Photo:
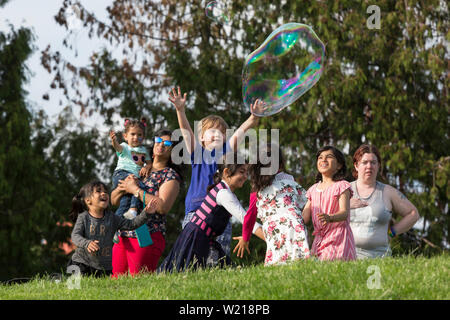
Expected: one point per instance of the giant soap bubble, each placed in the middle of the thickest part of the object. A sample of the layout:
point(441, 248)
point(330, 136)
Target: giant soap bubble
point(283, 68)
point(217, 11)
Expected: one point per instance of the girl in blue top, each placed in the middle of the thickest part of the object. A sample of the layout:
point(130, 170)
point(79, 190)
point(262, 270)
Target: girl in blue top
point(204, 156)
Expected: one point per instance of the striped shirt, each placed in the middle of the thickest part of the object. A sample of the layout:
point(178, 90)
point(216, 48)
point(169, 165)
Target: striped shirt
point(333, 241)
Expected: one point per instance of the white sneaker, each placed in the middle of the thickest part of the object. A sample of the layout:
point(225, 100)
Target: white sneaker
point(130, 214)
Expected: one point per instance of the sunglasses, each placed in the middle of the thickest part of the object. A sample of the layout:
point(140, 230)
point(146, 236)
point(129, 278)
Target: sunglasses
point(136, 158)
point(167, 143)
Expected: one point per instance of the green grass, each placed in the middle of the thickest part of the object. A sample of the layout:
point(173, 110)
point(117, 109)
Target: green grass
point(400, 278)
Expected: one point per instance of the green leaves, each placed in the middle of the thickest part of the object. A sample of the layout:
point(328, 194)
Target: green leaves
point(387, 87)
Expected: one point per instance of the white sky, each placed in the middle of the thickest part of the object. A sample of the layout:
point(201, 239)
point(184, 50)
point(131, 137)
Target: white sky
point(39, 16)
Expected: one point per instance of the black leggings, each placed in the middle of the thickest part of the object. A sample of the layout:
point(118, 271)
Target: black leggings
point(86, 270)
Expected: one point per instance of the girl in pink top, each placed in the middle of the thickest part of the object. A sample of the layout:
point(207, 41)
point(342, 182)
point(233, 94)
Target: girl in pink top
point(329, 207)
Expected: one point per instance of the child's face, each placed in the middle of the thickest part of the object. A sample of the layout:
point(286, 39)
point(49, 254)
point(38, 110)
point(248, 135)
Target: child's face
point(327, 163)
point(213, 138)
point(238, 179)
point(98, 199)
point(134, 136)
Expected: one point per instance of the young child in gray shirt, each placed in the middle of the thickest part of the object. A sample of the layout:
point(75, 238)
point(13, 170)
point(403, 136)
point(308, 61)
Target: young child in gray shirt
point(95, 228)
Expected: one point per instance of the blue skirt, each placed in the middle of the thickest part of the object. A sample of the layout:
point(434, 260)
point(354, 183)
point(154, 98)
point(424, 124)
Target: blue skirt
point(191, 251)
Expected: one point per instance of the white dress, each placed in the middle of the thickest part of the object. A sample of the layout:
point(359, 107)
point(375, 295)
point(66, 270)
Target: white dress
point(280, 208)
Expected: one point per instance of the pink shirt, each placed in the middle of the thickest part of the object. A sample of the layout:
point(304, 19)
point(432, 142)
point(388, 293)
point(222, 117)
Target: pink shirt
point(334, 241)
point(250, 218)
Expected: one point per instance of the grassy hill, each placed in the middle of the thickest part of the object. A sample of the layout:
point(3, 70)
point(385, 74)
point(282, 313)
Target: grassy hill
point(406, 277)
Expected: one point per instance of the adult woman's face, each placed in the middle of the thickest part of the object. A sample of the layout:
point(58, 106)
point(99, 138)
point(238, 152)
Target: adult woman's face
point(161, 150)
point(367, 167)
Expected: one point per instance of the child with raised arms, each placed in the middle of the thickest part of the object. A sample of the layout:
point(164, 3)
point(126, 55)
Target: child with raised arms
point(205, 151)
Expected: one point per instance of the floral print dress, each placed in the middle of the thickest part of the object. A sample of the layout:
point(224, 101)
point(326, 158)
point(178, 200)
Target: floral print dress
point(280, 211)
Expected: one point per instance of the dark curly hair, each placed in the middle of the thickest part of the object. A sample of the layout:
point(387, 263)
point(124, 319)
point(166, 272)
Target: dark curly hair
point(180, 169)
point(342, 172)
point(258, 180)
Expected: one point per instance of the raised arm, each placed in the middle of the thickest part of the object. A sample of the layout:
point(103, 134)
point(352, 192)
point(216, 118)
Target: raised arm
point(402, 206)
point(114, 142)
point(179, 102)
point(251, 122)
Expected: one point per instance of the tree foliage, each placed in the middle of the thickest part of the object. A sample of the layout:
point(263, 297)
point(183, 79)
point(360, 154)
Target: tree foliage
point(385, 86)
point(27, 214)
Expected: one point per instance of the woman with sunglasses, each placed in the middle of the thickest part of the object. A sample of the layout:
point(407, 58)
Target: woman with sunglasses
point(162, 184)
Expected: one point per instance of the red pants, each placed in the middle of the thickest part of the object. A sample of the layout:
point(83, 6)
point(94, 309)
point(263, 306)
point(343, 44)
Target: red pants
point(127, 255)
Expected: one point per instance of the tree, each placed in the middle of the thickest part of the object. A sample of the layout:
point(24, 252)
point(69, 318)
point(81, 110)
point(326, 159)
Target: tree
point(385, 86)
point(26, 213)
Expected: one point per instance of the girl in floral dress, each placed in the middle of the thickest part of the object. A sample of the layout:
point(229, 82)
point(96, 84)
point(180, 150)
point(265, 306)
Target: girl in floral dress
point(278, 201)
point(329, 208)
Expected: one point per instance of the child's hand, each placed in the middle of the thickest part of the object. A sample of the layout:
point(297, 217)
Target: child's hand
point(241, 246)
point(112, 135)
point(177, 100)
point(93, 246)
point(151, 206)
point(258, 107)
point(145, 171)
point(324, 218)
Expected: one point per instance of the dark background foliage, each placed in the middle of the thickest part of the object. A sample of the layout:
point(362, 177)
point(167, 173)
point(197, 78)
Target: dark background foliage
point(384, 86)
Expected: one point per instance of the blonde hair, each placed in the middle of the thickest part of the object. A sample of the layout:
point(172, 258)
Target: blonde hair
point(212, 121)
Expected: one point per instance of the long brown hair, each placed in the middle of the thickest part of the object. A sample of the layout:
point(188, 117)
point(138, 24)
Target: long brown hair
point(259, 181)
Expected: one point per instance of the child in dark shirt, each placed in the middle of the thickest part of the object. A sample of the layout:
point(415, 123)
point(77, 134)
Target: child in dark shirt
point(95, 228)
